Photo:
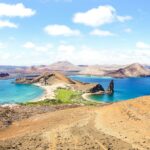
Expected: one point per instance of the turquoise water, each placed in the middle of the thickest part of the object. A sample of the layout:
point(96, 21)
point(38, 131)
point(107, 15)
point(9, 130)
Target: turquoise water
point(125, 89)
point(11, 93)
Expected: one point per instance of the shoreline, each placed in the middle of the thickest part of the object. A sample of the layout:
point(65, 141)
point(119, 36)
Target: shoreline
point(85, 96)
point(49, 91)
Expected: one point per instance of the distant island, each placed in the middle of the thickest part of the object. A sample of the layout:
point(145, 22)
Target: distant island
point(67, 68)
point(59, 79)
point(3, 75)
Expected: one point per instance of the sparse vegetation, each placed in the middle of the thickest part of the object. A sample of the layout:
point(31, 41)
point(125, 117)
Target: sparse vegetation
point(62, 96)
point(45, 102)
point(68, 95)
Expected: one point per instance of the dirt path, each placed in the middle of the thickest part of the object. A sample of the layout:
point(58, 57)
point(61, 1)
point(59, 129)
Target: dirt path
point(119, 126)
point(71, 129)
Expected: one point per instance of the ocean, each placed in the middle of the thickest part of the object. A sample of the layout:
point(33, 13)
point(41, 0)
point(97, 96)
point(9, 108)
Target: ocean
point(11, 93)
point(125, 88)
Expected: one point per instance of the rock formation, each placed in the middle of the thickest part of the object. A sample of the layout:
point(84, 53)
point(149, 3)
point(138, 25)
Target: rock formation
point(46, 78)
point(110, 89)
point(55, 77)
point(2, 75)
point(96, 88)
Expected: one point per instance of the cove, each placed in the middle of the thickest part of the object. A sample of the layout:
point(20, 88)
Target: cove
point(11, 93)
point(125, 88)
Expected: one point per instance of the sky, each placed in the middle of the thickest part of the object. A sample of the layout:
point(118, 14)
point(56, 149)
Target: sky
point(37, 32)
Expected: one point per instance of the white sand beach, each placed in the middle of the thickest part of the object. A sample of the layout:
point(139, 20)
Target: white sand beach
point(86, 96)
point(49, 90)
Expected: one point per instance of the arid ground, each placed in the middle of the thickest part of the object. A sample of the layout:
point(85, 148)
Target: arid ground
point(119, 126)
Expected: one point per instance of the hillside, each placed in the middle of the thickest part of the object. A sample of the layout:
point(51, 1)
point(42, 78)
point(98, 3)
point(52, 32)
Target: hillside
point(57, 78)
point(118, 126)
point(63, 66)
point(133, 70)
point(68, 68)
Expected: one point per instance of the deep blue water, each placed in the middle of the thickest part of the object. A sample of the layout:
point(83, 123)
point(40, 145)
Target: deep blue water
point(125, 89)
point(11, 93)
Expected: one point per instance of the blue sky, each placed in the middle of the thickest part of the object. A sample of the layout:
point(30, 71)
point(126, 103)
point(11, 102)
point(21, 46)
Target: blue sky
point(81, 31)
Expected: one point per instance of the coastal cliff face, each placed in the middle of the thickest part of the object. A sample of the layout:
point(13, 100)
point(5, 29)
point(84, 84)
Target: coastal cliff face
point(97, 88)
point(55, 78)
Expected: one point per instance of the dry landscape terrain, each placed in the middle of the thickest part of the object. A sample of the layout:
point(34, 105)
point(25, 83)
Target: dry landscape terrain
point(67, 68)
point(119, 126)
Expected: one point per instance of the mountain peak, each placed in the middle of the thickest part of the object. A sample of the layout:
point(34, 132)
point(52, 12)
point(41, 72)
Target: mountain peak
point(62, 62)
point(63, 65)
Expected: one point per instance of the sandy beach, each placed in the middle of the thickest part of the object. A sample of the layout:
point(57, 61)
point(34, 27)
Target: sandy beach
point(49, 90)
point(85, 96)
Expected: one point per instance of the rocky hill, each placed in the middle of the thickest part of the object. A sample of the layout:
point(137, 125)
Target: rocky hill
point(68, 68)
point(64, 66)
point(57, 77)
point(133, 70)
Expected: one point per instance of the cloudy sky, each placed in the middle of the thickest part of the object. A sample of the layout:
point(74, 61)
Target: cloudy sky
point(34, 32)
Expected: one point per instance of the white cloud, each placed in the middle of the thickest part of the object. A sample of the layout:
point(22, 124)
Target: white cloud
point(44, 48)
point(2, 45)
point(57, 30)
point(124, 18)
point(142, 45)
point(87, 55)
point(128, 30)
point(99, 16)
point(75, 54)
point(36, 47)
point(101, 33)
point(66, 48)
point(15, 10)
point(29, 45)
point(6, 23)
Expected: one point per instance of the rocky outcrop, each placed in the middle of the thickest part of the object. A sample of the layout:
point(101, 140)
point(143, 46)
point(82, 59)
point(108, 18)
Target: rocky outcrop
point(2, 75)
point(24, 81)
point(88, 87)
point(96, 88)
point(110, 89)
point(46, 79)
point(55, 77)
